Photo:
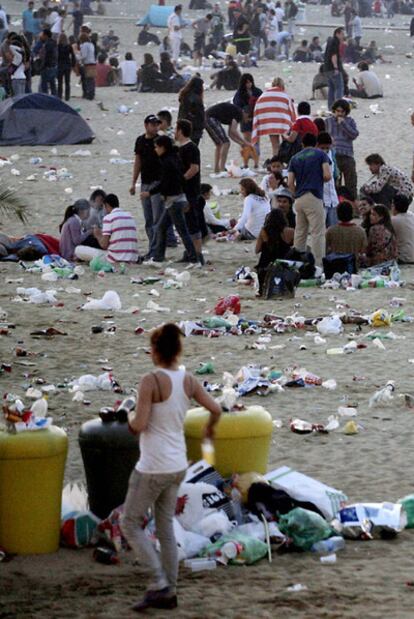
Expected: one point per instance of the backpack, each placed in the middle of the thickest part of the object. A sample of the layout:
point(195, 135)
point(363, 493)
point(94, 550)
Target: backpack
point(339, 263)
point(281, 279)
point(307, 269)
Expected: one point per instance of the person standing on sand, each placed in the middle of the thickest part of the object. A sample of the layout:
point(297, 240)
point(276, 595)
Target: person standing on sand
point(332, 67)
point(308, 171)
point(164, 397)
point(147, 165)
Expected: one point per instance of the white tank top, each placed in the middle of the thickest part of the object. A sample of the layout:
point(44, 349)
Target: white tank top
point(162, 444)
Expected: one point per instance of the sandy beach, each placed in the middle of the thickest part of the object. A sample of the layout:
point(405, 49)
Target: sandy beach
point(369, 578)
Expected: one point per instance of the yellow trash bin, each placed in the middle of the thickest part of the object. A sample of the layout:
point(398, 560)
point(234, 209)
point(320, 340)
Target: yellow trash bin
point(242, 439)
point(31, 479)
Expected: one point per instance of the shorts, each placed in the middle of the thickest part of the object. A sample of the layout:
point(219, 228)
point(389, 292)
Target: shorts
point(199, 42)
point(243, 46)
point(216, 131)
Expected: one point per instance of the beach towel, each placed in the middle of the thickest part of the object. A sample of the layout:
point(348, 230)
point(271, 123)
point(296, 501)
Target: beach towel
point(274, 114)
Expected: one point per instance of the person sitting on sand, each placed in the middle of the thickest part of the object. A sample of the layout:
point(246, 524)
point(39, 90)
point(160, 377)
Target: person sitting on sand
point(346, 237)
point(403, 224)
point(145, 37)
point(274, 242)
point(104, 73)
point(228, 77)
point(255, 208)
point(320, 84)
point(118, 237)
point(284, 201)
point(368, 84)
point(71, 232)
point(386, 181)
point(128, 69)
point(212, 216)
point(382, 241)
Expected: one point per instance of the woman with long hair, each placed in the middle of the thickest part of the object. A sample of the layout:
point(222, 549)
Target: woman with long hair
point(171, 188)
point(245, 98)
point(274, 114)
point(192, 106)
point(274, 241)
point(71, 232)
point(255, 208)
point(164, 397)
point(66, 62)
point(382, 242)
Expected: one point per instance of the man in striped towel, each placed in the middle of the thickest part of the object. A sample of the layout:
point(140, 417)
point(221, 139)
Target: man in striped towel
point(274, 114)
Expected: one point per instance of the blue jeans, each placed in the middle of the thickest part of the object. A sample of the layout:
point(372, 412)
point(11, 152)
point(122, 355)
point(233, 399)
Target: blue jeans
point(153, 208)
point(331, 216)
point(48, 80)
point(335, 87)
point(174, 214)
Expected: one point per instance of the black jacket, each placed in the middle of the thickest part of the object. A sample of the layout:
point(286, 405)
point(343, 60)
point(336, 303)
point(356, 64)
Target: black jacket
point(172, 179)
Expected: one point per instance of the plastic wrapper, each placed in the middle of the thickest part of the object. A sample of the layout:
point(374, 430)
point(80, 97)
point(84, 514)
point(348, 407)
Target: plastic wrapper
point(368, 520)
point(230, 303)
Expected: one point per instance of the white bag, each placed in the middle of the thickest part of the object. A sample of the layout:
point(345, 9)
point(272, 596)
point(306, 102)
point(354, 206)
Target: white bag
point(189, 544)
point(304, 488)
point(330, 325)
point(195, 502)
point(217, 522)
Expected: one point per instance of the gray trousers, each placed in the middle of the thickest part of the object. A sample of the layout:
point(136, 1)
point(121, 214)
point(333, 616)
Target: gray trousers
point(159, 491)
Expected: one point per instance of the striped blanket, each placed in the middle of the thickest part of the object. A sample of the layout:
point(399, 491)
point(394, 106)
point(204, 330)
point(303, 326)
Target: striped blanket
point(274, 114)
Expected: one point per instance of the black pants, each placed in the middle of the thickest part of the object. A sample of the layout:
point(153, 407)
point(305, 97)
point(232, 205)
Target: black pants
point(64, 76)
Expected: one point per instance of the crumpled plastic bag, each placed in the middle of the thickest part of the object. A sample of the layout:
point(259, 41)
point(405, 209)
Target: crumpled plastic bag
point(213, 524)
point(89, 382)
point(252, 550)
point(99, 264)
point(330, 325)
point(110, 301)
point(304, 527)
point(230, 303)
point(36, 296)
point(380, 318)
point(189, 544)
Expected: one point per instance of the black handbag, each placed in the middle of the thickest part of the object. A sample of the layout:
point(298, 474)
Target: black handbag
point(288, 149)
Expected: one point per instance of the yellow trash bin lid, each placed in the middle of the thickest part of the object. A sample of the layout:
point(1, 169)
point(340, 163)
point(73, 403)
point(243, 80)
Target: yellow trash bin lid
point(254, 421)
point(33, 444)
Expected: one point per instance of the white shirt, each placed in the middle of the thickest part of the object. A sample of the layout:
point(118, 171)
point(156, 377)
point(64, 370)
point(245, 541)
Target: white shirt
point(57, 25)
point(280, 14)
point(356, 27)
point(87, 53)
point(172, 22)
point(370, 83)
point(255, 209)
point(128, 71)
point(273, 28)
point(330, 197)
point(17, 62)
point(162, 444)
point(211, 217)
point(121, 228)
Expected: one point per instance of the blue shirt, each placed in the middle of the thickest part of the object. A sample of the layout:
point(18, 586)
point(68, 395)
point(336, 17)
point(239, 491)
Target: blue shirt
point(307, 168)
point(29, 24)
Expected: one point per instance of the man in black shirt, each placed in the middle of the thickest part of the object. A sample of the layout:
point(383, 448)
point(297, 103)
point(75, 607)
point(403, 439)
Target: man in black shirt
point(190, 156)
point(147, 164)
point(333, 69)
point(217, 116)
point(48, 54)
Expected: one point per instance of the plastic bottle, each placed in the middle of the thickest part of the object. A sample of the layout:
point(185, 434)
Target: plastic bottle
point(208, 451)
point(395, 273)
point(329, 546)
point(197, 565)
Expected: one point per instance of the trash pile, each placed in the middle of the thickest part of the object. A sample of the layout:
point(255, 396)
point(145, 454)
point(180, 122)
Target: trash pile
point(20, 418)
point(53, 267)
point(241, 520)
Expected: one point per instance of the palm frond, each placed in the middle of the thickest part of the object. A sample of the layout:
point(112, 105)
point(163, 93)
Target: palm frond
point(12, 205)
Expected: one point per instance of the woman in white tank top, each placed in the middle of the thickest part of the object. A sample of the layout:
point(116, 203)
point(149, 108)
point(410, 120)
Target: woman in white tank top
point(164, 398)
